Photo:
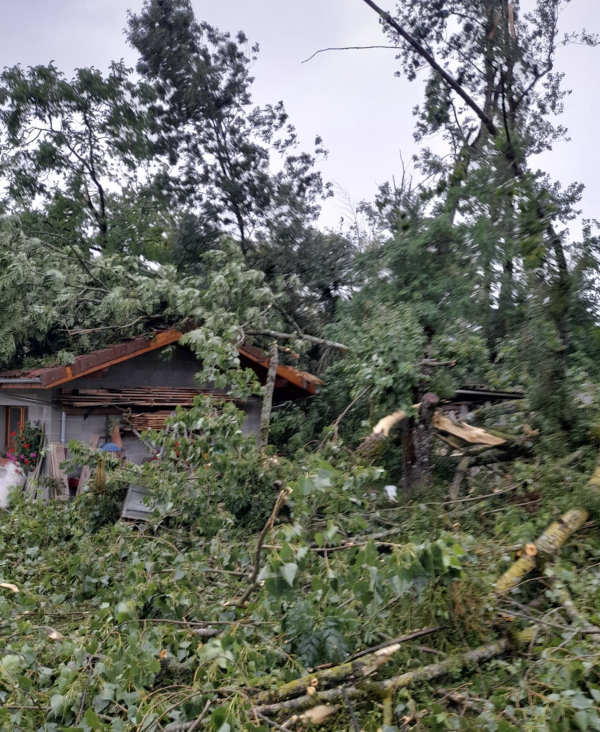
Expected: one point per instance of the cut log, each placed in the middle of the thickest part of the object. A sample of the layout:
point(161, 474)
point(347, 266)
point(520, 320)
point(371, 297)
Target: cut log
point(547, 545)
point(353, 669)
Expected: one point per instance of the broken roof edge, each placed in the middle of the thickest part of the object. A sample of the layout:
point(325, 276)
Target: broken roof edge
point(49, 377)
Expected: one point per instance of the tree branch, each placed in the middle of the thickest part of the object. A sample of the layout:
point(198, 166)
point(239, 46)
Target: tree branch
point(423, 673)
point(298, 336)
point(424, 53)
point(348, 48)
point(267, 405)
point(279, 503)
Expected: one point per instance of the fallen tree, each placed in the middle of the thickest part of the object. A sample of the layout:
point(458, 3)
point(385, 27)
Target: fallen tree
point(292, 618)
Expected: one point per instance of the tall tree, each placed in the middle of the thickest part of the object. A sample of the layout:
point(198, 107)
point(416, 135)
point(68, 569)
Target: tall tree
point(76, 155)
point(489, 220)
point(221, 148)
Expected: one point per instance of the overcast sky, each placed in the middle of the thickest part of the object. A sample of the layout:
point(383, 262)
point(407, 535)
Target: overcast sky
point(350, 98)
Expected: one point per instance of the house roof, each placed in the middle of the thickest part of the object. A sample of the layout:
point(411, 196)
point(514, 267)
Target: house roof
point(49, 377)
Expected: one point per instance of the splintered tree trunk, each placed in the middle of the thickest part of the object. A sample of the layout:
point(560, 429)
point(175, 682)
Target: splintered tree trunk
point(417, 444)
point(267, 406)
point(423, 439)
point(544, 548)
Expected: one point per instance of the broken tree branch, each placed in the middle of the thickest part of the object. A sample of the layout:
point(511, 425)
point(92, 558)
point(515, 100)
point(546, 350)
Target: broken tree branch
point(279, 503)
point(348, 703)
point(466, 432)
point(424, 54)
point(401, 639)
point(299, 337)
point(267, 406)
point(548, 544)
point(382, 688)
point(355, 669)
point(566, 601)
point(352, 669)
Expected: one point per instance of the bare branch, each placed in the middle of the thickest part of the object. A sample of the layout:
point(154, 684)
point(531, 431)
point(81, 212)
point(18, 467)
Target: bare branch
point(348, 48)
point(281, 499)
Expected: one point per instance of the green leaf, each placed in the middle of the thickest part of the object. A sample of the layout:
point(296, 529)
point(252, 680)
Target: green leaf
point(218, 717)
point(93, 720)
point(579, 701)
point(56, 704)
point(125, 611)
point(10, 664)
point(582, 721)
point(289, 572)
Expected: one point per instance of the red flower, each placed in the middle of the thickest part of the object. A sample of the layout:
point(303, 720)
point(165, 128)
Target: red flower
point(25, 445)
point(13, 434)
point(26, 461)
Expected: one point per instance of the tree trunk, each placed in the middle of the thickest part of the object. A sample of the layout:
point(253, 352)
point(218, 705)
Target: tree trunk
point(267, 407)
point(423, 439)
point(417, 444)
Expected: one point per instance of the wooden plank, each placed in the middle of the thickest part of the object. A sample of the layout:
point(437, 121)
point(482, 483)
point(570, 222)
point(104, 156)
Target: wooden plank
point(58, 454)
point(31, 485)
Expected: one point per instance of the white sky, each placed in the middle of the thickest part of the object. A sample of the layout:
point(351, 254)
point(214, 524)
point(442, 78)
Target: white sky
point(351, 98)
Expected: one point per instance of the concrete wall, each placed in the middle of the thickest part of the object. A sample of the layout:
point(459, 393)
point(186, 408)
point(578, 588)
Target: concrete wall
point(149, 369)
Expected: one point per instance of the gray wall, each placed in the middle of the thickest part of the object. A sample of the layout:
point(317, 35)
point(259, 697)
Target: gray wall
point(149, 369)
point(2, 426)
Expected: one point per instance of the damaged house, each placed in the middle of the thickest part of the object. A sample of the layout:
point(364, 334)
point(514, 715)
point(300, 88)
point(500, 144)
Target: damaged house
point(133, 385)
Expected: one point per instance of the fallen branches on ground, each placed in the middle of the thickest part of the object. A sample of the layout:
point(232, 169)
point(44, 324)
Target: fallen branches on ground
point(357, 667)
point(381, 688)
point(279, 503)
point(546, 546)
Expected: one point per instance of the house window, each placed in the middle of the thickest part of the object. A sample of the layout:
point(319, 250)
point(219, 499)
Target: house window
point(16, 417)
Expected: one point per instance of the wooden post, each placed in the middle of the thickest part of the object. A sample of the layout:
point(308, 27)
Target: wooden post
point(267, 406)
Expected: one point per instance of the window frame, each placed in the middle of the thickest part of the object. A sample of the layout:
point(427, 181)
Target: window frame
point(23, 418)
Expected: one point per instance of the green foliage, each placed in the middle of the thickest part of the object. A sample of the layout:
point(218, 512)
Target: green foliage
point(209, 473)
point(385, 348)
point(168, 200)
point(125, 600)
